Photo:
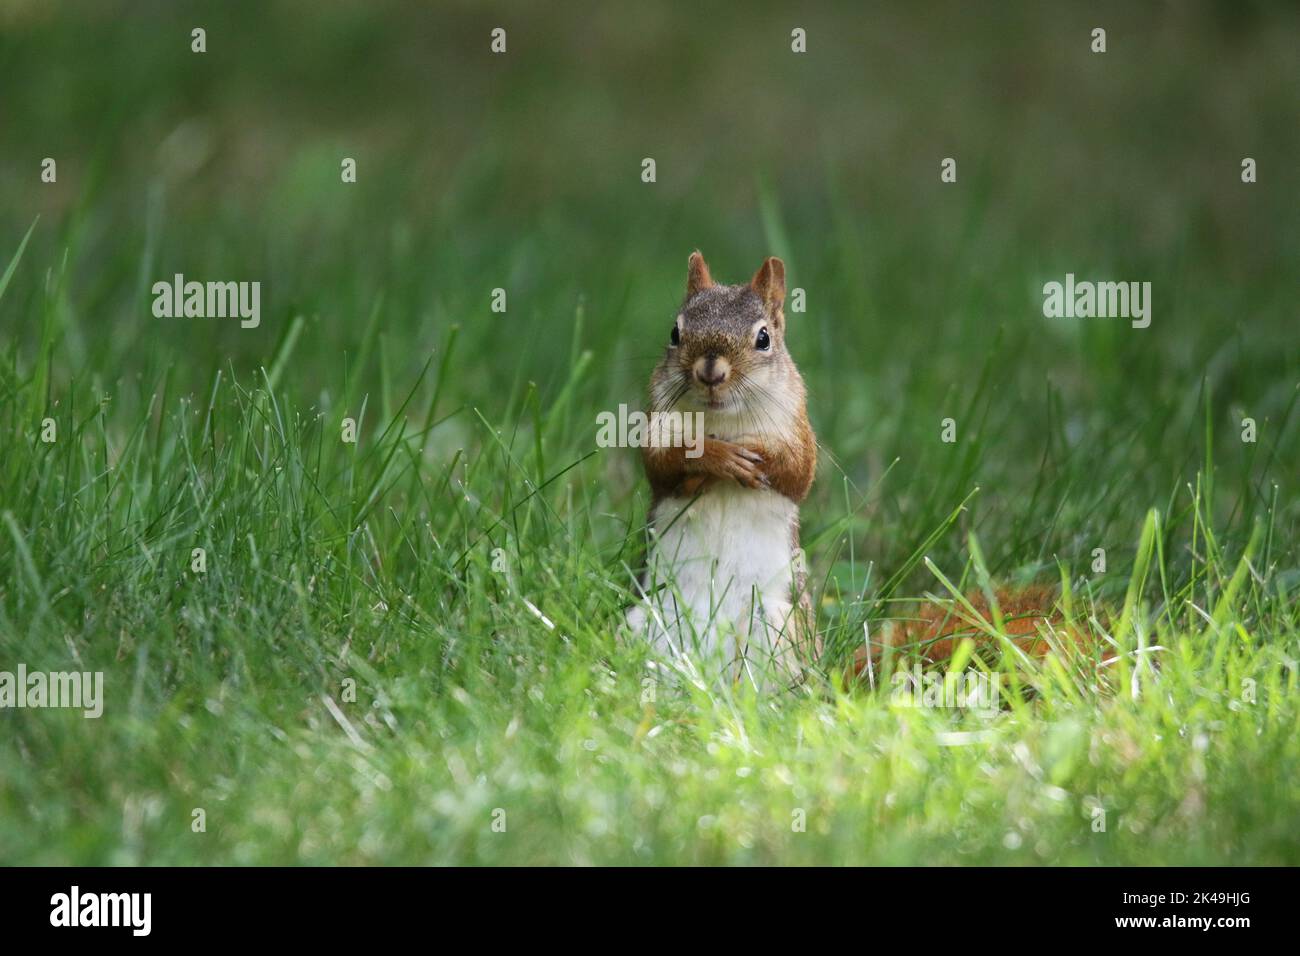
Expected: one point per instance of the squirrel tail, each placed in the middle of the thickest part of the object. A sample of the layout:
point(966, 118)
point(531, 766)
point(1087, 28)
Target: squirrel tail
point(1030, 617)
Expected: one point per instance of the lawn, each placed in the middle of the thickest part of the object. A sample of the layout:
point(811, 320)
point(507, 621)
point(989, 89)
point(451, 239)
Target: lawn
point(404, 649)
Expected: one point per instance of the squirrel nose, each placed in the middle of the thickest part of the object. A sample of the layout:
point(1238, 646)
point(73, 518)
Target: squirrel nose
point(711, 370)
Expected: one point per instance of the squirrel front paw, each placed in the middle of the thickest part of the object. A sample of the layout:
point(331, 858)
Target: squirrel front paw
point(740, 464)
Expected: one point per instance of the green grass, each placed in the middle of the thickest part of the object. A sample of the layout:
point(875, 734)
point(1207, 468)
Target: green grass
point(330, 563)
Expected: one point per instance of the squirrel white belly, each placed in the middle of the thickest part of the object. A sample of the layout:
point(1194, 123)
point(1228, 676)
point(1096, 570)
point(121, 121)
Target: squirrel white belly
point(724, 580)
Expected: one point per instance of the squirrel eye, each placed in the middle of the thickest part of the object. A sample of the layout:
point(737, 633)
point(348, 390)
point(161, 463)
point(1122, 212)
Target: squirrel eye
point(764, 341)
point(676, 337)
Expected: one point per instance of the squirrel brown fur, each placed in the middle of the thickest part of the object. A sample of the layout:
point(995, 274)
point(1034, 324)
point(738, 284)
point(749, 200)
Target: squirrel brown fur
point(935, 629)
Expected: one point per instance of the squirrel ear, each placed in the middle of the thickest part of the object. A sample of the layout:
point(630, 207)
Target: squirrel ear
point(769, 283)
point(697, 274)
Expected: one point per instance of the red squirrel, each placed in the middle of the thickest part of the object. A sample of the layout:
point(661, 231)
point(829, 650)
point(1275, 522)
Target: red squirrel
point(724, 579)
point(724, 576)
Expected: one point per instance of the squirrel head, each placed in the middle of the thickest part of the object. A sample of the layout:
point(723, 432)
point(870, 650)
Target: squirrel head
point(726, 348)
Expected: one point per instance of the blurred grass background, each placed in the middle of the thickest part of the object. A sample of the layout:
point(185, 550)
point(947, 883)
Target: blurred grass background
point(522, 171)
